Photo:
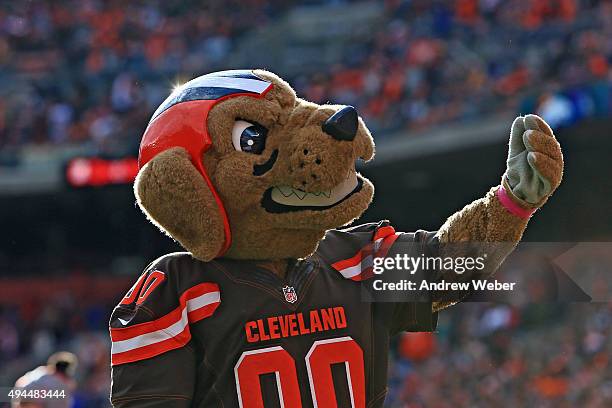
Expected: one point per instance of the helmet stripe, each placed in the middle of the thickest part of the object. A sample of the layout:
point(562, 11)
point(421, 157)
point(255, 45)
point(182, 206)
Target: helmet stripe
point(240, 84)
point(214, 86)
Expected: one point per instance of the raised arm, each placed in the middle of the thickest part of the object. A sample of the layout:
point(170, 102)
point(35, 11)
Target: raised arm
point(495, 223)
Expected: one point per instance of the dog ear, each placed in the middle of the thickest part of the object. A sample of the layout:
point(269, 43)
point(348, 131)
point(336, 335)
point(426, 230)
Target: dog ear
point(173, 195)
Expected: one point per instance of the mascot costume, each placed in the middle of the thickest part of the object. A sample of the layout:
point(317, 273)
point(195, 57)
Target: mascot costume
point(265, 308)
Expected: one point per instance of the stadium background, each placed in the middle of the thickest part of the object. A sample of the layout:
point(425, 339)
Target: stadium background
point(438, 82)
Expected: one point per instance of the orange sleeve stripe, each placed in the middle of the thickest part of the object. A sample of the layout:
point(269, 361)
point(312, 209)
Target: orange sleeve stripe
point(386, 236)
point(202, 313)
point(383, 232)
point(386, 244)
point(124, 333)
point(352, 261)
point(152, 350)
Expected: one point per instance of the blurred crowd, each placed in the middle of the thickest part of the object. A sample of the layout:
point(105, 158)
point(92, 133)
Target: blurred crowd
point(436, 62)
point(35, 329)
point(91, 72)
point(485, 355)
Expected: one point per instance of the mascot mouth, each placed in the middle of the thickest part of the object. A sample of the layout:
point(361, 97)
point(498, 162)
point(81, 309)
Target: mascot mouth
point(280, 199)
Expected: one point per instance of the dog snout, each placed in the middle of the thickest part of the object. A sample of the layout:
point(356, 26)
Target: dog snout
point(307, 165)
point(318, 164)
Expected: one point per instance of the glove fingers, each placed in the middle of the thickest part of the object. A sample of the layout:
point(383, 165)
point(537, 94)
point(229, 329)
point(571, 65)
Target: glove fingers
point(544, 126)
point(531, 122)
point(538, 141)
point(549, 169)
point(516, 140)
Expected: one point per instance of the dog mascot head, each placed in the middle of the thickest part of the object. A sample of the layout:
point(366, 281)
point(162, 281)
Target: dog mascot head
point(234, 164)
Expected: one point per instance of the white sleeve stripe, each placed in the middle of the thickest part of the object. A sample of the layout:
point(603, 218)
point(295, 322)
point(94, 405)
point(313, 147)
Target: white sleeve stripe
point(151, 338)
point(203, 300)
point(353, 271)
point(172, 330)
point(365, 263)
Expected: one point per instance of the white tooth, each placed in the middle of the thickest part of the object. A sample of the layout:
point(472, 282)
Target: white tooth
point(290, 196)
point(301, 194)
point(285, 190)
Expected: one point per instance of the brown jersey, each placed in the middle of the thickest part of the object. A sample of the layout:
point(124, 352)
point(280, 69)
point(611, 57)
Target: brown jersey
point(228, 333)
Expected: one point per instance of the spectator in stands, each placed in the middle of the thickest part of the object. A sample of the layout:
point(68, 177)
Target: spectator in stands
point(57, 375)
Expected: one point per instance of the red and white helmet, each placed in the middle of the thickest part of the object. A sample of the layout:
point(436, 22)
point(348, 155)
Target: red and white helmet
point(181, 121)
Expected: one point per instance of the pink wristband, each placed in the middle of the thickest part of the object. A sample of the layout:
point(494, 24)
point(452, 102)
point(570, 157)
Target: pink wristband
point(514, 208)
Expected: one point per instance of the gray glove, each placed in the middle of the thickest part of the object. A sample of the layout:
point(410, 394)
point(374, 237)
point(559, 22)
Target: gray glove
point(535, 162)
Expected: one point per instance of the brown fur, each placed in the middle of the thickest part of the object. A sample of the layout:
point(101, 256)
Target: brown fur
point(487, 222)
point(173, 195)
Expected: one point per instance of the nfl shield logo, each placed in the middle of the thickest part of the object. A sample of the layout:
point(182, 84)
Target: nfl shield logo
point(290, 295)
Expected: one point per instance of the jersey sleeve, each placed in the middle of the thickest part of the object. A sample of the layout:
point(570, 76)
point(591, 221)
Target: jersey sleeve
point(151, 337)
point(351, 252)
point(415, 313)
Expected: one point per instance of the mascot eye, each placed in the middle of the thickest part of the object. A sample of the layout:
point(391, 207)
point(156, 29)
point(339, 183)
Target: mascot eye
point(249, 137)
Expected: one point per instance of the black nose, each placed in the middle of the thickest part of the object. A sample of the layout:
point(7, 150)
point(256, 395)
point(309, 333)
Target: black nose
point(342, 125)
